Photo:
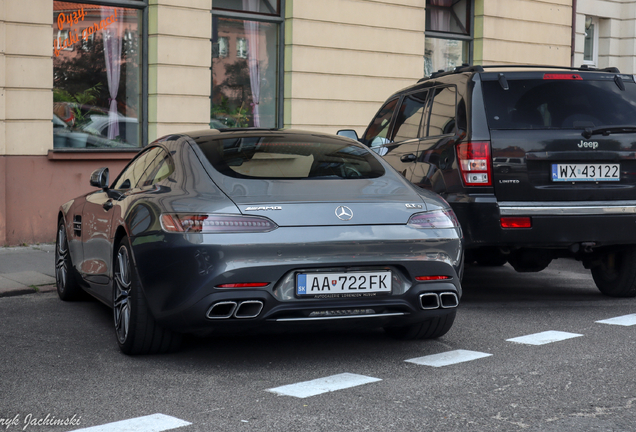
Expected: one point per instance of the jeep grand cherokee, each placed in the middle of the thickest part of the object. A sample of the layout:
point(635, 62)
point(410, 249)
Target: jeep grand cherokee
point(537, 162)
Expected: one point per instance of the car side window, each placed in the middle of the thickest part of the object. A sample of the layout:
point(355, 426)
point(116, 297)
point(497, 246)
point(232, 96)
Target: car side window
point(443, 111)
point(129, 178)
point(376, 134)
point(409, 116)
point(160, 168)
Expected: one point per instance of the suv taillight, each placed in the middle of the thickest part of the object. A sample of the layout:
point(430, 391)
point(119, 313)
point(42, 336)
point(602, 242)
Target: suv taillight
point(474, 163)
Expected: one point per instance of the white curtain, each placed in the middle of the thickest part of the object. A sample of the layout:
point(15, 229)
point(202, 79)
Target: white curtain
point(112, 37)
point(440, 18)
point(253, 50)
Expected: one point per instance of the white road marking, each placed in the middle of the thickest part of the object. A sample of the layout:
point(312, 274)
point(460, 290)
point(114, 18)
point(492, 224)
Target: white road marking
point(149, 423)
point(545, 337)
point(625, 320)
point(323, 385)
point(448, 358)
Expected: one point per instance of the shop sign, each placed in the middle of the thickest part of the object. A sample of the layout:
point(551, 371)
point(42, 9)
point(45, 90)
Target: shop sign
point(74, 37)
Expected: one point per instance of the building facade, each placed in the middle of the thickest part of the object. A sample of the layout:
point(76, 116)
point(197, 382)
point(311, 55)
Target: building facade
point(86, 84)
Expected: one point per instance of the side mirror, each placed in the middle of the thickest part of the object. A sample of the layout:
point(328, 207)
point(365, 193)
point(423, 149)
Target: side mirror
point(99, 178)
point(348, 133)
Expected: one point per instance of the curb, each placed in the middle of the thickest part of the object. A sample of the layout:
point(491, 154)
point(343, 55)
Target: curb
point(13, 292)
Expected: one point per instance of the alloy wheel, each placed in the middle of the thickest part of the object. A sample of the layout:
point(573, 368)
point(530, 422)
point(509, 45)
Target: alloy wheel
point(61, 254)
point(121, 300)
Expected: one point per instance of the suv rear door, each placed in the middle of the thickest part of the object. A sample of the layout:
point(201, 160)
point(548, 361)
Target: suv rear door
point(579, 135)
point(436, 148)
point(399, 145)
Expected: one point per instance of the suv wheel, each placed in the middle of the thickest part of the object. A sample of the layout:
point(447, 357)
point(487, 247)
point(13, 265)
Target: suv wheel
point(615, 276)
point(490, 257)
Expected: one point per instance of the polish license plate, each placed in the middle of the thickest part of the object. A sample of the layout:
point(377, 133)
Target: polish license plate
point(586, 172)
point(342, 285)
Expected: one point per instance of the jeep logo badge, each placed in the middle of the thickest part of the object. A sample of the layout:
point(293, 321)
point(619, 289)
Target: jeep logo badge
point(586, 144)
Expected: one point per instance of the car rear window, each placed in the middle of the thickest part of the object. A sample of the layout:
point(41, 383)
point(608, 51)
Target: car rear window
point(560, 104)
point(290, 157)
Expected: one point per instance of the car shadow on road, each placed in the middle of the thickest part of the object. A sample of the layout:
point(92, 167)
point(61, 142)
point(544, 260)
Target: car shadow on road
point(561, 281)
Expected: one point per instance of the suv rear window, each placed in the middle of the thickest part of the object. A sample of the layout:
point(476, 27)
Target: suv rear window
point(559, 104)
point(275, 157)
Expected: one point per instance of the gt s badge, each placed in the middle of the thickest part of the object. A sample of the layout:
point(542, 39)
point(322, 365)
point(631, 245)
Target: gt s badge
point(413, 206)
point(263, 208)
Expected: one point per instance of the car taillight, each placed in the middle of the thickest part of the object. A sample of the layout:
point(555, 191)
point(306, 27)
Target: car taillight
point(516, 222)
point(429, 278)
point(244, 285)
point(212, 223)
point(434, 219)
point(474, 163)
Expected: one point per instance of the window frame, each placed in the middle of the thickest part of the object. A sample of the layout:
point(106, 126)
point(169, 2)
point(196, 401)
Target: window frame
point(594, 21)
point(433, 92)
point(423, 119)
point(469, 38)
point(389, 129)
point(141, 5)
point(280, 64)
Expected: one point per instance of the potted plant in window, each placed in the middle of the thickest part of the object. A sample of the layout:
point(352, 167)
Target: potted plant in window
point(77, 108)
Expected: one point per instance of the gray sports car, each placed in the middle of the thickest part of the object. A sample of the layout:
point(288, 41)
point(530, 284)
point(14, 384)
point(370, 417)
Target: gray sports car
point(242, 229)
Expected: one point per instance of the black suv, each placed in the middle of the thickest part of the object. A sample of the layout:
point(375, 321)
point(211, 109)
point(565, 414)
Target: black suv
point(537, 162)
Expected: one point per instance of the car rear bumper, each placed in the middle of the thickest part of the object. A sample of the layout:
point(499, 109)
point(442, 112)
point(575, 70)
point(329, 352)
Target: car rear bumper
point(181, 276)
point(343, 313)
point(554, 224)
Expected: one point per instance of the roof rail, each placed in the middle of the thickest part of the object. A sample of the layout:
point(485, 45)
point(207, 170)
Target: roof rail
point(480, 68)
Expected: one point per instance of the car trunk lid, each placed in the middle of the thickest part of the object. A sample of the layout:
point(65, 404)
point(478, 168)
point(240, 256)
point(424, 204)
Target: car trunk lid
point(562, 136)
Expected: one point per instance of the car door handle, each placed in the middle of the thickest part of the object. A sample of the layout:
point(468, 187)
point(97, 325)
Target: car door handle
point(108, 205)
point(408, 158)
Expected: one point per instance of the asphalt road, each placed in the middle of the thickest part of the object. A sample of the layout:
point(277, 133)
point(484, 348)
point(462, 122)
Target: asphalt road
point(61, 359)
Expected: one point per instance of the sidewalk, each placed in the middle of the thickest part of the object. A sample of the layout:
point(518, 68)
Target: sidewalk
point(27, 269)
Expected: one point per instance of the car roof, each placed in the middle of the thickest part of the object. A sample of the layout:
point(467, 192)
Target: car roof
point(229, 133)
point(490, 71)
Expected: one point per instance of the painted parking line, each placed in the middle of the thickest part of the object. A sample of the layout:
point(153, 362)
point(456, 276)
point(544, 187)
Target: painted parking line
point(448, 358)
point(149, 423)
point(625, 320)
point(545, 337)
point(323, 385)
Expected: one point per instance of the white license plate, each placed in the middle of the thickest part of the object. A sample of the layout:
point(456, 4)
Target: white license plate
point(586, 172)
point(355, 284)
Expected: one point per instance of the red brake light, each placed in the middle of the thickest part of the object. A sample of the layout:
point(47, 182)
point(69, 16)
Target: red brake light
point(429, 278)
point(562, 76)
point(474, 163)
point(516, 222)
point(434, 219)
point(244, 285)
point(211, 223)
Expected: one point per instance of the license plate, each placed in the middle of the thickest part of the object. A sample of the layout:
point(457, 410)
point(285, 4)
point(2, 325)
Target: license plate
point(355, 284)
point(586, 172)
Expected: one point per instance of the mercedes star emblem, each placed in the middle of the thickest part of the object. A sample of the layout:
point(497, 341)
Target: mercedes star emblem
point(344, 213)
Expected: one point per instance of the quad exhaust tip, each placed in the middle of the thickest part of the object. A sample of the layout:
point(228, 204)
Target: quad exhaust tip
point(235, 309)
point(448, 300)
point(445, 300)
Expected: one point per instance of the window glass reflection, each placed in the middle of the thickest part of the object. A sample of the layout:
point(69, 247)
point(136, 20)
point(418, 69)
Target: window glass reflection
point(244, 76)
point(96, 70)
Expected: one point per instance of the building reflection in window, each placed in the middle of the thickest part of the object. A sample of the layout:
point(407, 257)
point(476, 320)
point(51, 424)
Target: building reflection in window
point(448, 34)
point(96, 70)
point(244, 81)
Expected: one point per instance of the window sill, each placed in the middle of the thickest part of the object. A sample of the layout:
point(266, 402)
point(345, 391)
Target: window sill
point(97, 154)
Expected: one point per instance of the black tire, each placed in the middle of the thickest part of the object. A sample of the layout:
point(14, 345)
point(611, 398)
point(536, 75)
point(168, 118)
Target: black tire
point(429, 329)
point(65, 279)
point(616, 275)
point(135, 327)
point(490, 257)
